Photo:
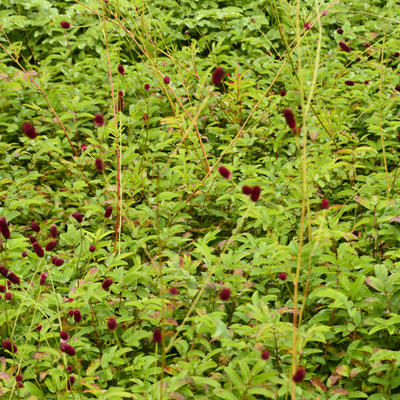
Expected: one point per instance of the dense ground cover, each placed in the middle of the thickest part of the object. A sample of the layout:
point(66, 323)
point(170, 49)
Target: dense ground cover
point(199, 199)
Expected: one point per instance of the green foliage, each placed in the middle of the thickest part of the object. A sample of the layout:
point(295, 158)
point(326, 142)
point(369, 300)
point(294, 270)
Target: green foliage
point(174, 226)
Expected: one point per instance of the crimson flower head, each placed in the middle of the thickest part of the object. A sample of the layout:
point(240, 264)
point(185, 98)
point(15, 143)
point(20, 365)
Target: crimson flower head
point(2, 289)
point(339, 31)
point(325, 204)
point(224, 172)
point(64, 335)
point(121, 69)
point(92, 248)
point(157, 335)
point(11, 347)
point(38, 249)
point(283, 93)
point(24, 254)
point(35, 227)
point(18, 378)
point(282, 276)
point(32, 239)
point(349, 83)
point(167, 79)
point(265, 355)
point(289, 116)
point(65, 24)
point(225, 294)
point(299, 375)
point(344, 47)
point(70, 382)
point(173, 290)
point(8, 296)
point(39, 327)
point(246, 190)
point(83, 147)
point(4, 271)
point(51, 245)
point(4, 228)
point(99, 163)
point(107, 283)
point(43, 278)
point(397, 88)
point(255, 193)
point(146, 86)
point(70, 368)
point(77, 316)
point(78, 216)
point(98, 119)
point(70, 313)
point(396, 54)
point(14, 278)
point(217, 76)
point(108, 212)
point(307, 26)
point(29, 130)
point(67, 348)
point(53, 231)
point(112, 323)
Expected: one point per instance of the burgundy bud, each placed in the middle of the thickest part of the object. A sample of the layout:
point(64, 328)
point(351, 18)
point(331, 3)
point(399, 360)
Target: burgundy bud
point(64, 335)
point(2, 289)
point(339, 31)
point(70, 382)
point(4, 271)
point(225, 294)
point(98, 119)
point(299, 375)
point(146, 86)
point(43, 278)
point(51, 245)
point(157, 335)
point(121, 69)
point(70, 313)
point(77, 316)
point(53, 231)
point(167, 80)
point(344, 47)
point(107, 283)
point(35, 227)
point(8, 296)
point(145, 117)
point(325, 204)
point(120, 100)
point(224, 172)
point(283, 93)
point(92, 248)
point(32, 239)
point(18, 378)
point(282, 276)
point(111, 323)
point(217, 76)
point(255, 193)
point(99, 163)
point(4, 228)
point(67, 348)
point(349, 83)
point(83, 147)
point(65, 24)
point(173, 290)
point(307, 26)
point(70, 368)
point(38, 249)
point(289, 116)
point(11, 347)
point(39, 327)
point(24, 254)
point(78, 216)
point(108, 212)
point(14, 278)
point(396, 54)
point(59, 262)
point(29, 130)
point(265, 355)
point(246, 190)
